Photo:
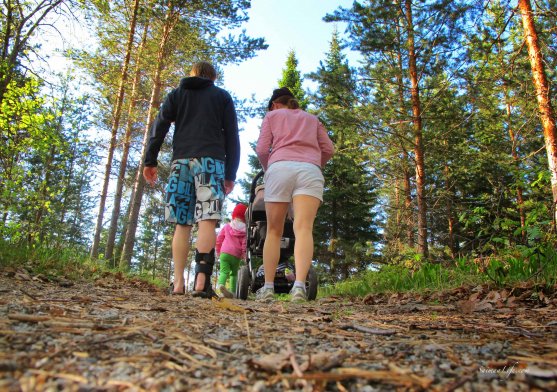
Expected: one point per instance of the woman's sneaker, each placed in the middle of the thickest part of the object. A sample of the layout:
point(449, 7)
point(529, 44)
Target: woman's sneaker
point(298, 294)
point(265, 294)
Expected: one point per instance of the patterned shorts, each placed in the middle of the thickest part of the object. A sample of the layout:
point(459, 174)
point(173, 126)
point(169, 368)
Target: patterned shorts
point(195, 190)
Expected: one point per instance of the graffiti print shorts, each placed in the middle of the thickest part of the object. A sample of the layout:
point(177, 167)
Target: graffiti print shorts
point(195, 190)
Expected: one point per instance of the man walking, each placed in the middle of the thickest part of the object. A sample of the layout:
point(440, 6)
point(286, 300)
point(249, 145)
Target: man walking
point(205, 158)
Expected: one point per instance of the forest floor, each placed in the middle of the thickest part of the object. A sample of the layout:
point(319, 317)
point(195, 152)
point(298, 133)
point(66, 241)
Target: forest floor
point(116, 334)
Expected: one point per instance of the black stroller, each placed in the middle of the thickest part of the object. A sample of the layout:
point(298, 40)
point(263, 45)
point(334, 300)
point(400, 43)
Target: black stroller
point(250, 278)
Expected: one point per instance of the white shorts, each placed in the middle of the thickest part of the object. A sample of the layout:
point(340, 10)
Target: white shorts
point(286, 179)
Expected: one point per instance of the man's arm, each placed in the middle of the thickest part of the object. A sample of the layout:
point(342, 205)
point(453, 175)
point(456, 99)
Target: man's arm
point(161, 125)
point(232, 143)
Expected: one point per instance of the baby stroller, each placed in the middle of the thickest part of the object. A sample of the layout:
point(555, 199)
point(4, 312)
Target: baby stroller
point(250, 278)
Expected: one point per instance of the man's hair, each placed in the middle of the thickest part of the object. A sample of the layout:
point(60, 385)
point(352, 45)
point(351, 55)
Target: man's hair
point(203, 69)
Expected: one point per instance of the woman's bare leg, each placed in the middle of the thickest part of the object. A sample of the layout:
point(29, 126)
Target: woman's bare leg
point(305, 210)
point(276, 214)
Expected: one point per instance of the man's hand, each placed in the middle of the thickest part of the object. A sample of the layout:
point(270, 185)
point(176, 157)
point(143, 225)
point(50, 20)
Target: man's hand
point(228, 186)
point(150, 174)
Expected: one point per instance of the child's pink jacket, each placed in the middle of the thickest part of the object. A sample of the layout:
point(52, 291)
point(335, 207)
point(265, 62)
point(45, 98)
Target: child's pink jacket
point(231, 241)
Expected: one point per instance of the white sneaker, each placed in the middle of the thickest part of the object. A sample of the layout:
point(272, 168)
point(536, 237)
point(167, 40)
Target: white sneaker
point(265, 294)
point(298, 294)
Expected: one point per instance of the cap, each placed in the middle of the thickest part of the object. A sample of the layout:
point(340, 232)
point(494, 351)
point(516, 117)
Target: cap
point(279, 92)
point(239, 212)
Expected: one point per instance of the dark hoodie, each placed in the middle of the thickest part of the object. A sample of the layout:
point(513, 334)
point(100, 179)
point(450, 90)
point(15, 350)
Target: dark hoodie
point(205, 125)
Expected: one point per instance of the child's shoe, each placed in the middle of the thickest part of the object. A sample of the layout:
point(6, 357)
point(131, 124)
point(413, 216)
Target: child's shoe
point(223, 292)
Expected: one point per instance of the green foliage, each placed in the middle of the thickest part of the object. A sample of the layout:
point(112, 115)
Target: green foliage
point(292, 79)
point(534, 264)
point(44, 166)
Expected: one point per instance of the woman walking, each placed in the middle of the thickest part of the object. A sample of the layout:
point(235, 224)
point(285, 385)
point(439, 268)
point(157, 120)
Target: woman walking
point(293, 147)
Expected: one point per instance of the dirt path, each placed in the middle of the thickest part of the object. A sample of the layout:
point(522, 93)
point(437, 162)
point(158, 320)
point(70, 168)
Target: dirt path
point(117, 335)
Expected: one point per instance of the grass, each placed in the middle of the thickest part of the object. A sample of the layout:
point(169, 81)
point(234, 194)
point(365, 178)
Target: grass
point(537, 266)
point(55, 263)
point(401, 279)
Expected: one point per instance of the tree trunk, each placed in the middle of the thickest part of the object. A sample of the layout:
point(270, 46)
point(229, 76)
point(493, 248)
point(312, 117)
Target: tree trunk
point(451, 221)
point(418, 139)
point(45, 196)
point(542, 93)
point(114, 132)
point(516, 161)
point(395, 230)
point(139, 186)
point(408, 212)
point(111, 239)
point(122, 238)
point(155, 256)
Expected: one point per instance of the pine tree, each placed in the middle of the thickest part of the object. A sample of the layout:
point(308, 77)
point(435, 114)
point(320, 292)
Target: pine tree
point(292, 78)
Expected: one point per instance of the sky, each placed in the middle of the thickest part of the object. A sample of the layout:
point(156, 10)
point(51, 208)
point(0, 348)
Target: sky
point(286, 25)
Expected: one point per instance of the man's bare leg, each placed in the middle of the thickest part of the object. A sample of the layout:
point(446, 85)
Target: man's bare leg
point(180, 252)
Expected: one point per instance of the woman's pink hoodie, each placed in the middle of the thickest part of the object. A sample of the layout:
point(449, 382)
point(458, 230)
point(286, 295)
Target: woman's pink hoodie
point(293, 135)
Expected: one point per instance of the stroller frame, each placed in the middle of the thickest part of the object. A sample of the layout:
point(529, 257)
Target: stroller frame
point(251, 280)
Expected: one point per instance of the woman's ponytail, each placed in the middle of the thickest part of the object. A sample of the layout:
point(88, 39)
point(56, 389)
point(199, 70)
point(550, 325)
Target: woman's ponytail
point(288, 101)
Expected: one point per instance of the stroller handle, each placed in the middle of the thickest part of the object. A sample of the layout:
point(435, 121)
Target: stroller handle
point(254, 185)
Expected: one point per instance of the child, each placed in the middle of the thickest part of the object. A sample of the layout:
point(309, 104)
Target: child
point(231, 246)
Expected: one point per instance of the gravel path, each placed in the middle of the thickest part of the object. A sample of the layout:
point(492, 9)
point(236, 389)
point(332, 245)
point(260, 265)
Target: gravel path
point(120, 335)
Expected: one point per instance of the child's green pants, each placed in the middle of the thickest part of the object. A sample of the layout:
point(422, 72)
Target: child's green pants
point(228, 268)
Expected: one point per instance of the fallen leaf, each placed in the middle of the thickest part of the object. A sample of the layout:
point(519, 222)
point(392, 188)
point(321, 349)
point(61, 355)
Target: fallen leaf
point(493, 297)
point(324, 361)
point(484, 305)
point(271, 362)
point(474, 297)
point(226, 304)
point(467, 306)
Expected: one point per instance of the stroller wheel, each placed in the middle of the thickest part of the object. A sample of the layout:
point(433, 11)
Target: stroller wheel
point(242, 286)
point(311, 284)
